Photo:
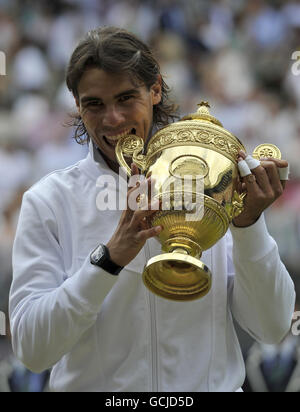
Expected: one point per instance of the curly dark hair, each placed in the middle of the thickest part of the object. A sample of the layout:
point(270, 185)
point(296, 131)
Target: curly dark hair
point(116, 50)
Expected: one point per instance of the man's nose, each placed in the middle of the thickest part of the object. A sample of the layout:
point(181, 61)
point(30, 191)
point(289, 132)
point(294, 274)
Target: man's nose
point(112, 117)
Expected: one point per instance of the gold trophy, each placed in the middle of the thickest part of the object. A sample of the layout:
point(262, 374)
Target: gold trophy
point(194, 166)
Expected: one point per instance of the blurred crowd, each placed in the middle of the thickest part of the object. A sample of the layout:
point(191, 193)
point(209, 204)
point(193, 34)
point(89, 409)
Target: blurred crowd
point(237, 54)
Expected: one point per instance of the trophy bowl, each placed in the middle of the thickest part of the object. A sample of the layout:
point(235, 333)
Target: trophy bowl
point(193, 163)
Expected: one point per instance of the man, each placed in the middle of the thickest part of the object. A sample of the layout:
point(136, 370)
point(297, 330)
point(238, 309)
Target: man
point(91, 319)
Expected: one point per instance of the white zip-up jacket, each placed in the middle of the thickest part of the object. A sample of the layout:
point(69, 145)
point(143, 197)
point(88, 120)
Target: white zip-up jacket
point(100, 332)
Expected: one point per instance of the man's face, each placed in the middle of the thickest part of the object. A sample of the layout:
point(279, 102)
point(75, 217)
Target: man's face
point(111, 106)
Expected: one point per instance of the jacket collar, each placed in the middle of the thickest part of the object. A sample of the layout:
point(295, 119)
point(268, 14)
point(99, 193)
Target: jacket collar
point(98, 158)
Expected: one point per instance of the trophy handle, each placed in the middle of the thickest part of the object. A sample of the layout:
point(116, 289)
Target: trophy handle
point(131, 146)
point(263, 150)
point(237, 204)
point(266, 150)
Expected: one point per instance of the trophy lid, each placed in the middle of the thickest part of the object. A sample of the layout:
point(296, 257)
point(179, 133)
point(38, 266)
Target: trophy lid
point(196, 129)
point(202, 114)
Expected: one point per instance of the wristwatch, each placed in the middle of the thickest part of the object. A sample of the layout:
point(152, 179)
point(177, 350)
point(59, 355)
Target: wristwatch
point(100, 257)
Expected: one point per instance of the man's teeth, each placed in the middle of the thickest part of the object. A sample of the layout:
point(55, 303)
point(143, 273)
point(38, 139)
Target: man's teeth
point(114, 139)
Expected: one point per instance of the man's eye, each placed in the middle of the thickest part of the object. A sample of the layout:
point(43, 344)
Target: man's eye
point(94, 103)
point(125, 98)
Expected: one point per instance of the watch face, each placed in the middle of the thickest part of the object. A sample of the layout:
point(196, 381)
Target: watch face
point(100, 257)
point(98, 254)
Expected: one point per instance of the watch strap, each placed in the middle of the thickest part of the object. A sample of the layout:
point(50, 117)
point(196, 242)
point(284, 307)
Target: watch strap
point(105, 262)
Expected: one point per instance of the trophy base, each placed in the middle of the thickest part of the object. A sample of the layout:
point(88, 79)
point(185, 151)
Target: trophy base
point(176, 276)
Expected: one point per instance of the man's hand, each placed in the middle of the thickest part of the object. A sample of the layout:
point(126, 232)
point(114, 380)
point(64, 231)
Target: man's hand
point(263, 187)
point(133, 229)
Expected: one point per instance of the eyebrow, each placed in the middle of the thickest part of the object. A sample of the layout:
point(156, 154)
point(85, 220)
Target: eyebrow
point(117, 96)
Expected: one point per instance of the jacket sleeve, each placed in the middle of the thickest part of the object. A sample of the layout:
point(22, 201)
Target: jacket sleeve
point(49, 311)
point(262, 293)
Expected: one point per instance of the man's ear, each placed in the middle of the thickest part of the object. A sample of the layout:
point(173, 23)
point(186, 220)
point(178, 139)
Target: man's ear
point(156, 91)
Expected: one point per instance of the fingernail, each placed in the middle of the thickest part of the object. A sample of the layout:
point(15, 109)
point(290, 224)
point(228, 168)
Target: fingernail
point(242, 154)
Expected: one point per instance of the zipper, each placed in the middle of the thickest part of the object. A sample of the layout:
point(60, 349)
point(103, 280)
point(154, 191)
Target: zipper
point(153, 331)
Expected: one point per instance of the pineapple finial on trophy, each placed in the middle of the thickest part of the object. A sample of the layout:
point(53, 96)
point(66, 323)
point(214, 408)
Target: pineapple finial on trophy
point(203, 114)
point(203, 107)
